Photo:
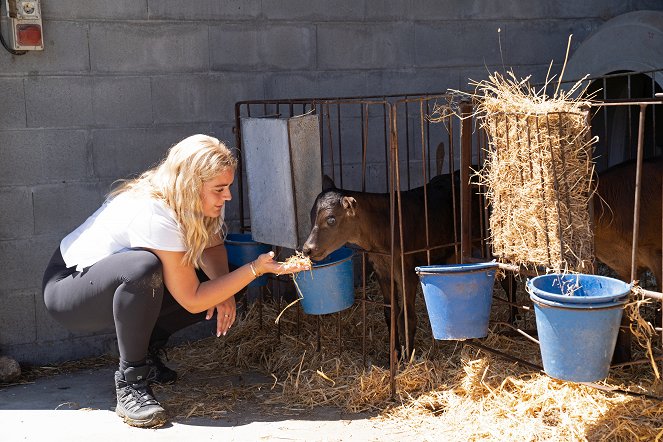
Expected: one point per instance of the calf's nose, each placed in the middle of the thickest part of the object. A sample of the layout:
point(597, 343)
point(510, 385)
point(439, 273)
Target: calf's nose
point(306, 249)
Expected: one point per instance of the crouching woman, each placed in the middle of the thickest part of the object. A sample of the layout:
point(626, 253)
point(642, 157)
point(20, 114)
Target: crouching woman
point(151, 261)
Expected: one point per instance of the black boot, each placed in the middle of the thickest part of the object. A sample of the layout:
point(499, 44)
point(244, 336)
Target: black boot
point(159, 373)
point(135, 400)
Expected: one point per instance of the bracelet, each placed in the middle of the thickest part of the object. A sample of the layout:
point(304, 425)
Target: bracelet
point(253, 270)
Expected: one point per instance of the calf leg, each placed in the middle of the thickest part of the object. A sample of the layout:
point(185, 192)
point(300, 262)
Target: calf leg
point(385, 288)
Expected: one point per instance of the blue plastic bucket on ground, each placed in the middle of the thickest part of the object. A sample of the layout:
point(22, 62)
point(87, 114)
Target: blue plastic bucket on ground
point(458, 298)
point(577, 319)
point(329, 286)
point(242, 249)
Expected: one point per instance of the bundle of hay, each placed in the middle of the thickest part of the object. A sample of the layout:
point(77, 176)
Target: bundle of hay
point(538, 174)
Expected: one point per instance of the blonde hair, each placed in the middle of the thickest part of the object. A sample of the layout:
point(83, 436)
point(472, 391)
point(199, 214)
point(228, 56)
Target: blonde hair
point(178, 181)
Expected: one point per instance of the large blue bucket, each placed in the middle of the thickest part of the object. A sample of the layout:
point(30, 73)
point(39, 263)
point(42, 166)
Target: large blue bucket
point(577, 319)
point(242, 249)
point(329, 286)
point(458, 298)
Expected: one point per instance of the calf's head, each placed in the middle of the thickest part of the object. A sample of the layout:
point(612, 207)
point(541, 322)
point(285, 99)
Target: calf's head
point(333, 221)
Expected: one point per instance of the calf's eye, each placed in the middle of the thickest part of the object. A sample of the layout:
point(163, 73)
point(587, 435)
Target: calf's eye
point(331, 221)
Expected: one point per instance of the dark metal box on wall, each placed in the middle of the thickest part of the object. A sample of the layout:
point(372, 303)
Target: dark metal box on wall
point(283, 171)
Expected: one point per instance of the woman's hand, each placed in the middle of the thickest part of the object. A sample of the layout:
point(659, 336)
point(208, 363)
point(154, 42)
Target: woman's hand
point(225, 317)
point(265, 264)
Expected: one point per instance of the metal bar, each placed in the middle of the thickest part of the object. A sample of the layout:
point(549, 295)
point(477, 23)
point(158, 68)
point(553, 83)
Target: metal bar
point(364, 146)
point(363, 308)
point(407, 148)
point(240, 180)
point(325, 111)
point(521, 332)
point(636, 200)
point(340, 143)
point(465, 194)
point(392, 211)
point(474, 343)
point(425, 179)
point(401, 248)
point(338, 330)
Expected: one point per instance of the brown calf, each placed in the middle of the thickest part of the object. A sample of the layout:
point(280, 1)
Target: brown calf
point(361, 218)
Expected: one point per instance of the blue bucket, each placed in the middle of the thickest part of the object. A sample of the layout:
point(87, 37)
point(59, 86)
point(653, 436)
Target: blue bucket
point(242, 249)
point(458, 298)
point(577, 319)
point(329, 286)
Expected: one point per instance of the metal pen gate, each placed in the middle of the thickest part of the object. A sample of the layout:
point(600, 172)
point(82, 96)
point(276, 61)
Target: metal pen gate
point(389, 144)
point(385, 144)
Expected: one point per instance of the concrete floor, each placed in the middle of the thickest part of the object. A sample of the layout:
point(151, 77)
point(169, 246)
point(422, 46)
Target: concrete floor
point(80, 407)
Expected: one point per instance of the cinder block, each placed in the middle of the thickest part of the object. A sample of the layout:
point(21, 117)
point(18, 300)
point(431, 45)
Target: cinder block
point(42, 156)
point(518, 9)
point(288, 47)
point(201, 98)
point(411, 81)
point(12, 98)
point(16, 220)
point(538, 73)
point(145, 147)
point(315, 10)
point(149, 47)
point(46, 328)
point(224, 90)
point(24, 261)
point(234, 47)
point(65, 51)
point(68, 349)
point(315, 84)
point(224, 132)
point(204, 9)
point(389, 10)
point(550, 34)
point(456, 44)
point(95, 9)
point(122, 101)
point(366, 45)
point(17, 318)
point(180, 99)
point(58, 101)
point(58, 209)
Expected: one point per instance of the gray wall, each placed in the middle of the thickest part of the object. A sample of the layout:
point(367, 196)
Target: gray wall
point(120, 81)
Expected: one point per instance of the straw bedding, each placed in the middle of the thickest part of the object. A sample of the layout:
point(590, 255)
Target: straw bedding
point(449, 390)
point(452, 390)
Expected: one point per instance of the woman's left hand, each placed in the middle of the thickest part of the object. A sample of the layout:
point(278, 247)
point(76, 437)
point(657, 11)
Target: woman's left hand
point(225, 317)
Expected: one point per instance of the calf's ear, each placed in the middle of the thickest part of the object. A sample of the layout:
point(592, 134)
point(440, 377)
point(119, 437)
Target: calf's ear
point(349, 204)
point(327, 183)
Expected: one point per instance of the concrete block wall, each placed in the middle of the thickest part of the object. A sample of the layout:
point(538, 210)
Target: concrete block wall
point(121, 81)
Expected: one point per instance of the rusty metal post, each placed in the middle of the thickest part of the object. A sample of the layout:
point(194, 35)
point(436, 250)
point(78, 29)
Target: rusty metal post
point(392, 212)
point(636, 200)
point(465, 193)
point(240, 180)
point(625, 337)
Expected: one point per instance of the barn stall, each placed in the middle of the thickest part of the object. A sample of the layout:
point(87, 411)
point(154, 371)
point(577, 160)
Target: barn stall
point(368, 143)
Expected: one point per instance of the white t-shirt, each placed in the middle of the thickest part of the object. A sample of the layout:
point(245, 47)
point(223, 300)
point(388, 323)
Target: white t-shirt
point(127, 221)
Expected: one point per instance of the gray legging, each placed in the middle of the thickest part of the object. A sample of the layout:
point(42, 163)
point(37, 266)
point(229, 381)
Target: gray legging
point(124, 292)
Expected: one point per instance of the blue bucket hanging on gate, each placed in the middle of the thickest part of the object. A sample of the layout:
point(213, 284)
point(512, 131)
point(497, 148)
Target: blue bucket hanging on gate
point(577, 320)
point(458, 298)
point(329, 286)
